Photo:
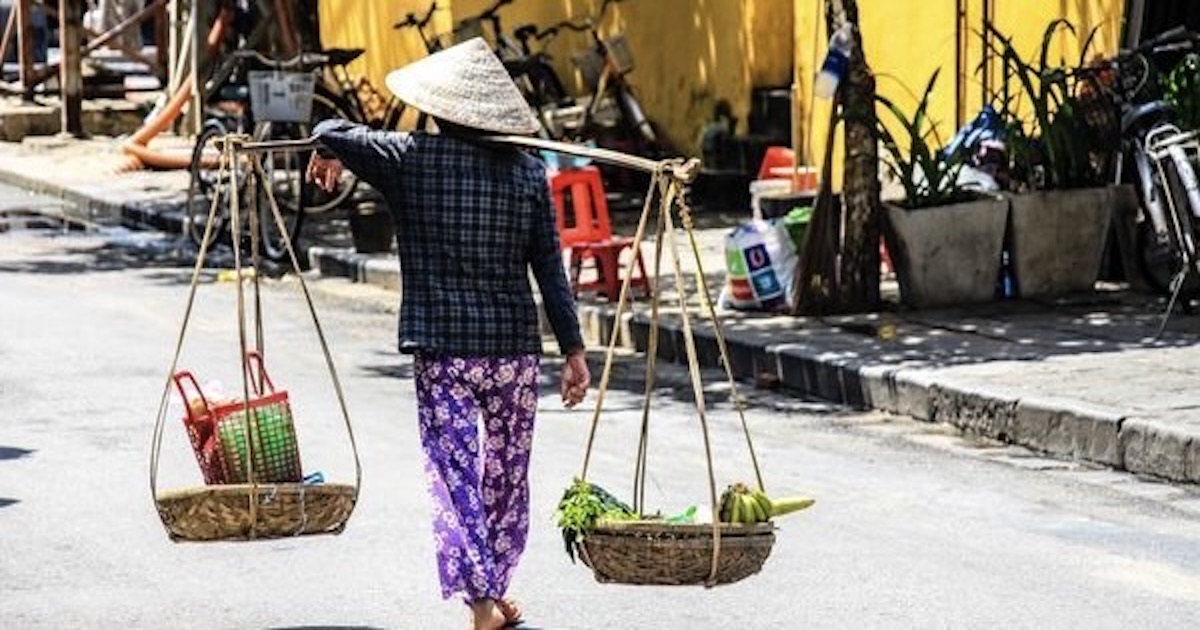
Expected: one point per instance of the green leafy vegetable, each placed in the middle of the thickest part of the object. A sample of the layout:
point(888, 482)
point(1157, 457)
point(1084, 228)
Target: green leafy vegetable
point(582, 505)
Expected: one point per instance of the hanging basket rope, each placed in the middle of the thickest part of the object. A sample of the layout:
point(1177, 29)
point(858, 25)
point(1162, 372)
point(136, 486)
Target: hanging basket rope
point(655, 552)
point(255, 509)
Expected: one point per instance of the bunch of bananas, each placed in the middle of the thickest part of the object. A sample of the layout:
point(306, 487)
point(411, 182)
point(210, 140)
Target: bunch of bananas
point(741, 504)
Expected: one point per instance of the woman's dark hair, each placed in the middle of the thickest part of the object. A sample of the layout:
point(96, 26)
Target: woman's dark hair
point(473, 136)
point(458, 131)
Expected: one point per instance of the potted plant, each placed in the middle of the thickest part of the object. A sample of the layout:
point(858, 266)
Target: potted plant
point(945, 241)
point(1061, 206)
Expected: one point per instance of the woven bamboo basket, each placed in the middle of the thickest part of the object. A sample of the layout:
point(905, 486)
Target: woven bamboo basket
point(642, 552)
point(211, 513)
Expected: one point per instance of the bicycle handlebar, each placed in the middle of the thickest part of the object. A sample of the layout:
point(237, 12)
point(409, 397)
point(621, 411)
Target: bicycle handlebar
point(1174, 35)
point(1176, 39)
point(411, 20)
point(490, 14)
point(529, 30)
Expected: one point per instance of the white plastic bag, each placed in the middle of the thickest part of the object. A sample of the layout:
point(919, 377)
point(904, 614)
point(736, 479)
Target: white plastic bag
point(760, 261)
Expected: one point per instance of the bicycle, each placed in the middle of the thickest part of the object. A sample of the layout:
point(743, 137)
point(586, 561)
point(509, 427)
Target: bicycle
point(605, 67)
point(610, 116)
point(1164, 159)
point(543, 87)
point(231, 110)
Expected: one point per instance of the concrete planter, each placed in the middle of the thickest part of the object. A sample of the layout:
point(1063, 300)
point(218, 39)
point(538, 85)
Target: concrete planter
point(947, 254)
point(1058, 239)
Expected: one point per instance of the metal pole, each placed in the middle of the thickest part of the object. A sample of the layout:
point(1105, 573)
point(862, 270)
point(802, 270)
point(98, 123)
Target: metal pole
point(194, 116)
point(1134, 22)
point(960, 23)
point(9, 27)
point(120, 30)
point(70, 22)
point(174, 19)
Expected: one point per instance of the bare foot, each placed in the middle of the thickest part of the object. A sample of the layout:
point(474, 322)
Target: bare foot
point(510, 609)
point(487, 614)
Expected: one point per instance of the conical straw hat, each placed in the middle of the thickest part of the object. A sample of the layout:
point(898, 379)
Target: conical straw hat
point(465, 84)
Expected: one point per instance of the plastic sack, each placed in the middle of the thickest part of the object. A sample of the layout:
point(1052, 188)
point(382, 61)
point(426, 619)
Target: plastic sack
point(760, 262)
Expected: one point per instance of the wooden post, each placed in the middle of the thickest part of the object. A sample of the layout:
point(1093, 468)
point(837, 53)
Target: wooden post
point(174, 36)
point(839, 270)
point(161, 46)
point(858, 282)
point(25, 45)
point(70, 23)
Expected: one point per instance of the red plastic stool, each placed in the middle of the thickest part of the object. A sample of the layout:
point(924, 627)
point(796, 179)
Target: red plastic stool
point(585, 233)
point(777, 163)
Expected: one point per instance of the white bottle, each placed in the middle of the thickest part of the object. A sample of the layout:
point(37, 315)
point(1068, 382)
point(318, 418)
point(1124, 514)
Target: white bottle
point(836, 64)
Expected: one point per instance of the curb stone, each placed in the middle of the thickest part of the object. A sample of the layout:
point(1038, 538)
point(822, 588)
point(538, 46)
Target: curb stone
point(981, 412)
point(913, 396)
point(1069, 428)
point(87, 207)
point(1149, 446)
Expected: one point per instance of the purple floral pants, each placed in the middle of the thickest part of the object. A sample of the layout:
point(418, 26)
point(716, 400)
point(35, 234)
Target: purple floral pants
point(476, 418)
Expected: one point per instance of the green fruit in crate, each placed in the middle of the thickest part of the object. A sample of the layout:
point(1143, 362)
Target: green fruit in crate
point(276, 458)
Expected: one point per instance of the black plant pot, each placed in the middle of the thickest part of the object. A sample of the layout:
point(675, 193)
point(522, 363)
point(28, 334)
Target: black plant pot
point(371, 228)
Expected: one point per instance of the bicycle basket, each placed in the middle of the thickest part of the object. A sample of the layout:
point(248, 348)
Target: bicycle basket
point(590, 64)
point(620, 54)
point(281, 96)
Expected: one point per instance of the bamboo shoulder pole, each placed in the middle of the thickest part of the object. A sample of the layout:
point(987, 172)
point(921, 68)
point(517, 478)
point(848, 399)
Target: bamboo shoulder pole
point(681, 169)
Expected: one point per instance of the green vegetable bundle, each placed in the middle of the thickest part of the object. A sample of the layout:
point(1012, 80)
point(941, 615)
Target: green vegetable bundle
point(582, 505)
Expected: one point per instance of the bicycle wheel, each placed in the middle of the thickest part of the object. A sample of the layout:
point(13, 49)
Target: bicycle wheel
point(1159, 270)
point(283, 178)
point(204, 183)
point(327, 106)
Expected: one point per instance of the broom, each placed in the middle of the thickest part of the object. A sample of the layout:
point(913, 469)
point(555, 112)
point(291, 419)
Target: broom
point(815, 283)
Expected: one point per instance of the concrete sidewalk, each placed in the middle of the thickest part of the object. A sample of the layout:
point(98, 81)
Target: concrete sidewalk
point(1081, 377)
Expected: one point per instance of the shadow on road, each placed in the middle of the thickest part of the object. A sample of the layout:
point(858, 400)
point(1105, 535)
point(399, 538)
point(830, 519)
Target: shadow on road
point(522, 626)
point(119, 249)
point(8, 453)
point(325, 628)
point(12, 452)
point(390, 370)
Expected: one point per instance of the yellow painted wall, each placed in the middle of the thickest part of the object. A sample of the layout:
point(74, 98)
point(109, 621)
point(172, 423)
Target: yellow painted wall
point(905, 41)
point(688, 53)
point(368, 24)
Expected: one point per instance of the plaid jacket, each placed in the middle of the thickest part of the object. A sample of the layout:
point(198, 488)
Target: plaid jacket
point(471, 221)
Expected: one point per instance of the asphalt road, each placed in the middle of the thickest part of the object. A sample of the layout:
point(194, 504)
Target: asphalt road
point(915, 526)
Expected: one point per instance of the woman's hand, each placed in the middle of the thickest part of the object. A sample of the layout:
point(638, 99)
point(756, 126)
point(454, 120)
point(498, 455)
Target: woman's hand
point(575, 378)
point(325, 172)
